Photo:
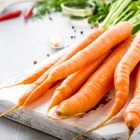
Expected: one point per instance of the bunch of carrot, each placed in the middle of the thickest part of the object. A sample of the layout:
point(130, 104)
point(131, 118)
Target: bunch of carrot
point(87, 71)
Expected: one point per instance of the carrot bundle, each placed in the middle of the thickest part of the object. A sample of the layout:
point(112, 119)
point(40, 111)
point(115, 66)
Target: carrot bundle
point(96, 86)
point(40, 85)
point(86, 81)
point(103, 43)
point(132, 112)
point(73, 82)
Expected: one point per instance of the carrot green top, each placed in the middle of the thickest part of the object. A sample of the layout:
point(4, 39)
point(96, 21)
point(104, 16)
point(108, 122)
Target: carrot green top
point(123, 10)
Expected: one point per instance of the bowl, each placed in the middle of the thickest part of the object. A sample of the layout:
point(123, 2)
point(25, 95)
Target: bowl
point(75, 11)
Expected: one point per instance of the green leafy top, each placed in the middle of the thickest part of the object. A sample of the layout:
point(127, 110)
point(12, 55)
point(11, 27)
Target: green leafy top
point(107, 12)
point(101, 11)
point(48, 6)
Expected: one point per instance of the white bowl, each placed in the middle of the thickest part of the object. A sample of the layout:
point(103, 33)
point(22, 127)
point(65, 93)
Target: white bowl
point(77, 12)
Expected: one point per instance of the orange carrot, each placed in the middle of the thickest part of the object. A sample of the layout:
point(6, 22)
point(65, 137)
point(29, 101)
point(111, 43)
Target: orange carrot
point(73, 82)
point(132, 112)
point(38, 87)
point(96, 86)
point(103, 43)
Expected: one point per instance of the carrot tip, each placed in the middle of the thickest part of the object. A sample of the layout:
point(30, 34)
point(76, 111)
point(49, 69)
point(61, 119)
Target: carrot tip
point(75, 138)
point(130, 133)
point(49, 107)
point(8, 86)
point(58, 112)
point(10, 110)
point(93, 129)
point(52, 114)
point(21, 110)
point(53, 118)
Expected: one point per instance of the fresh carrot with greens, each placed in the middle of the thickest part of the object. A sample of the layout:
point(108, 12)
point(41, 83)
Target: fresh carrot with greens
point(102, 44)
point(38, 87)
point(73, 82)
point(121, 79)
point(96, 86)
point(132, 112)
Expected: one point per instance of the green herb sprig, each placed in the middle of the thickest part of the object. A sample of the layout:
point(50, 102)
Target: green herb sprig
point(49, 6)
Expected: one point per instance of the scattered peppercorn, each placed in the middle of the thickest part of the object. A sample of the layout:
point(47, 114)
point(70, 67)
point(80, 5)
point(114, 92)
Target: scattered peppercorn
point(72, 27)
point(81, 32)
point(74, 36)
point(71, 37)
point(75, 31)
point(48, 55)
point(34, 62)
point(50, 19)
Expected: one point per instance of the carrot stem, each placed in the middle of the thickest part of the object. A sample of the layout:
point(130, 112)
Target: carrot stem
point(117, 9)
point(130, 134)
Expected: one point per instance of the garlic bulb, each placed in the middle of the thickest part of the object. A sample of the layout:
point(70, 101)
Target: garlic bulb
point(56, 41)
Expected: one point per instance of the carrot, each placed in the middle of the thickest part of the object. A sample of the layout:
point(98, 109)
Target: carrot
point(34, 75)
point(121, 79)
point(39, 87)
point(73, 82)
point(96, 86)
point(132, 112)
point(21, 100)
point(103, 43)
